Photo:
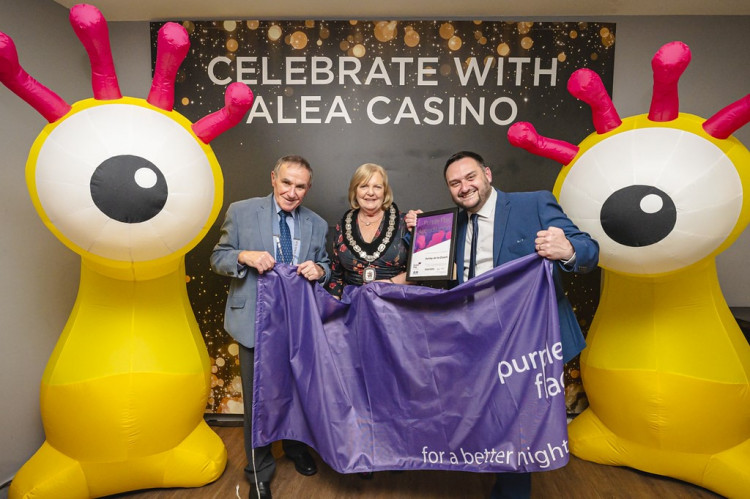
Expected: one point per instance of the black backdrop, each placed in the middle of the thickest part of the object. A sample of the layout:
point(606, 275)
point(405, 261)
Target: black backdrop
point(343, 93)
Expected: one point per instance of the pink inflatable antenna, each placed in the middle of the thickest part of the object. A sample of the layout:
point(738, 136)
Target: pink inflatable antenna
point(525, 136)
point(587, 86)
point(45, 101)
point(172, 46)
point(668, 64)
point(91, 28)
point(237, 101)
point(730, 119)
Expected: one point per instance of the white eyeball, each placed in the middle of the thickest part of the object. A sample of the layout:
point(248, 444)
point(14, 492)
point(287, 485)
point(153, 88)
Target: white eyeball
point(656, 199)
point(124, 182)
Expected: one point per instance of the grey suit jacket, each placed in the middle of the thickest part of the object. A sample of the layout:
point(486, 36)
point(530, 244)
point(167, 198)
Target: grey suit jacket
point(249, 226)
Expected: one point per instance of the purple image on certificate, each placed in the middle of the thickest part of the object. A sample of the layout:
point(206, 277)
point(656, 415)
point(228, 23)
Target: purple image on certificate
point(432, 249)
point(432, 231)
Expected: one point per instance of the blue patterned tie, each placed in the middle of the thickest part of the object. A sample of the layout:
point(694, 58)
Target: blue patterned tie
point(474, 237)
point(285, 239)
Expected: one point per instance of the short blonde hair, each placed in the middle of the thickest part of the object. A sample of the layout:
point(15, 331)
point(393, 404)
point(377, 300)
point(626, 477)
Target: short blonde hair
point(362, 175)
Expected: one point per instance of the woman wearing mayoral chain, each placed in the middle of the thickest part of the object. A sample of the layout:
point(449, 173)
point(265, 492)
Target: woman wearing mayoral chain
point(369, 242)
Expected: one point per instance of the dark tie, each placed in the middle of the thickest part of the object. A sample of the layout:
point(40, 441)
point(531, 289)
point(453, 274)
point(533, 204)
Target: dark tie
point(474, 237)
point(284, 251)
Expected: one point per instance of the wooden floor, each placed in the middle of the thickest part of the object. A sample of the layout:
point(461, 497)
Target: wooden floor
point(579, 479)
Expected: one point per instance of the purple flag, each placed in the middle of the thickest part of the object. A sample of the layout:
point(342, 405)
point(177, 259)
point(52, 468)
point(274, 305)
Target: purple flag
point(409, 377)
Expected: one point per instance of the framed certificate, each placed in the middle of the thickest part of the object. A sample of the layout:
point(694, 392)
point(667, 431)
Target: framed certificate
point(433, 246)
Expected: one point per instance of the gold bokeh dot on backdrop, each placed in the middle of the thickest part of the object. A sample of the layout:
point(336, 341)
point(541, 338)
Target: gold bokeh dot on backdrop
point(185, 101)
point(253, 24)
point(573, 34)
point(298, 40)
point(189, 26)
point(274, 32)
point(344, 45)
point(358, 50)
point(455, 43)
point(445, 69)
point(524, 27)
point(411, 38)
point(236, 385)
point(561, 57)
point(309, 23)
point(385, 31)
point(324, 32)
point(503, 49)
point(446, 31)
point(230, 25)
point(232, 45)
point(527, 42)
point(608, 40)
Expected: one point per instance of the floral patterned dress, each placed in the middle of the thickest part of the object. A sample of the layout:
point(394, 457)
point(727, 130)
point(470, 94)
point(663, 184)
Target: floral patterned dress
point(386, 254)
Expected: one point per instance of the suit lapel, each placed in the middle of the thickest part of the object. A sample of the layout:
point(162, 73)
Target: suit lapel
point(305, 228)
point(502, 213)
point(265, 222)
point(463, 220)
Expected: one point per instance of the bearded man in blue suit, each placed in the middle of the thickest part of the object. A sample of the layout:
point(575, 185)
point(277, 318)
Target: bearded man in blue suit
point(504, 226)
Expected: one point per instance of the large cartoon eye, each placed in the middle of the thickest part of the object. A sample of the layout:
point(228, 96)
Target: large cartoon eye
point(638, 215)
point(656, 199)
point(124, 182)
point(129, 189)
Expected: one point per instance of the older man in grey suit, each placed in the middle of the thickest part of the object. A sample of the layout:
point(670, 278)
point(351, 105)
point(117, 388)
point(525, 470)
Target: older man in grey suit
point(256, 234)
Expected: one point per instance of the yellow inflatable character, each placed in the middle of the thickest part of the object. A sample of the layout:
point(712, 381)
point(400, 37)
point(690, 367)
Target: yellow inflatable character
point(666, 369)
point(131, 186)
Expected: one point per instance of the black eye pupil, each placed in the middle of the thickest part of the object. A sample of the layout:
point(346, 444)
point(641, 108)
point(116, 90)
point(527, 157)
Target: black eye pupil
point(129, 189)
point(638, 215)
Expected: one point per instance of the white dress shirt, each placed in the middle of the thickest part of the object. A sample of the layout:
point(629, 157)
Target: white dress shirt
point(486, 222)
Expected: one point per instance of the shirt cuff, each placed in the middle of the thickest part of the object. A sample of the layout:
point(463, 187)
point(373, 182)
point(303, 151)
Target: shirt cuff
point(571, 262)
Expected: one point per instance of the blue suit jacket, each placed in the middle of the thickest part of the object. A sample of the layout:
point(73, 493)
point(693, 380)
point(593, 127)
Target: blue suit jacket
point(249, 226)
point(518, 217)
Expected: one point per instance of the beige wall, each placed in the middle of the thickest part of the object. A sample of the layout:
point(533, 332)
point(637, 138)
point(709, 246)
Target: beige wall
point(718, 75)
point(40, 275)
